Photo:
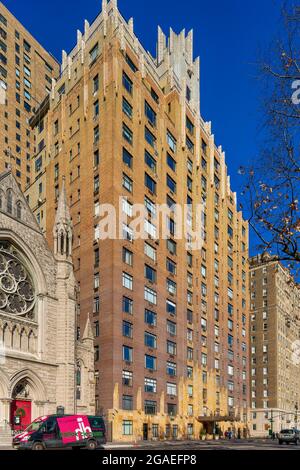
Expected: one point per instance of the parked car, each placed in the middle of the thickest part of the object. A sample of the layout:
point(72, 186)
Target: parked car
point(289, 435)
point(62, 431)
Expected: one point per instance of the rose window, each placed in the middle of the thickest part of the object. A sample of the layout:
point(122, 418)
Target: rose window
point(17, 294)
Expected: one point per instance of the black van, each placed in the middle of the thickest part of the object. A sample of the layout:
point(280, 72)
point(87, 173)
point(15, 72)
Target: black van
point(63, 431)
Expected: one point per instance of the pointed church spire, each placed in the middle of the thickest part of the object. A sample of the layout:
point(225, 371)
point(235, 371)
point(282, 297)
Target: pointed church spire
point(88, 330)
point(63, 229)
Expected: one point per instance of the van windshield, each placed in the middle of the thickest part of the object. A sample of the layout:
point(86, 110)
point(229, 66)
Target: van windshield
point(34, 426)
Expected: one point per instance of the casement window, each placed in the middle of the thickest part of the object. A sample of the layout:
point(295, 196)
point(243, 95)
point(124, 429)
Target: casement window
point(127, 281)
point(94, 52)
point(150, 295)
point(150, 114)
point(127, 83)
point(171, 141)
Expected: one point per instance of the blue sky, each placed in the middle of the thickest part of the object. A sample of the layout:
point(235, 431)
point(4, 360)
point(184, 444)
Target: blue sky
point(228, 36)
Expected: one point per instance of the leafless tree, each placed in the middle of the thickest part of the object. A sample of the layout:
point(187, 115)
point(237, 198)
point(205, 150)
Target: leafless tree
point(273, 189)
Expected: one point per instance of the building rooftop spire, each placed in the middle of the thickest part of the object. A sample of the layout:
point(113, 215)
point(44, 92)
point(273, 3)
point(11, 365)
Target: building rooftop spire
point(62, 230)
point(63, 211)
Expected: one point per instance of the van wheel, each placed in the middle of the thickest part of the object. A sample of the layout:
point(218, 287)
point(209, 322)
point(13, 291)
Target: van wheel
point(91, 445)
point(280, 442)
point(38, 446)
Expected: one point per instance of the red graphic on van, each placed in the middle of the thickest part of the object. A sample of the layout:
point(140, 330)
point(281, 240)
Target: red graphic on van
point(74, 428)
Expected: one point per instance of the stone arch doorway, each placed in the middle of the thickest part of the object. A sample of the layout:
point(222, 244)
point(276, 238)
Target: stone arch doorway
point(27, 398)
point(21, 405)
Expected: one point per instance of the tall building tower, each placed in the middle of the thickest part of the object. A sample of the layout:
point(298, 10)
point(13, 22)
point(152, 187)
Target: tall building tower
point(275, 346)
point(170, 319)
point(26, 73)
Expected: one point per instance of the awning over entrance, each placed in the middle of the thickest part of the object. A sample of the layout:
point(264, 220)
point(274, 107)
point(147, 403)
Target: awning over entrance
point(217, 418)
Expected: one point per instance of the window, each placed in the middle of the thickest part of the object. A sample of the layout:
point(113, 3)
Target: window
point(127, 158)
point(27, 46)
point(27, 107)
point(127, 378)
point(131, 63)
point(127, 329)
point(171, 369)
point(96, 185)
point(127, 183)
point(150, 183)
point(150, 251)
point(171, 307)
point(127, 83)
point(96, 281)
point(96, 257)
point(3, 20)
point(150, 385)
point(127, 305)
point(171, 162)
point(27, 71)
point(27, 83)
point(3, 72)
point(127, 207)
point(96, 134)
point(150, 362)
point(171, 266)
point(150, 273)
point(96, 84)
point(171, 389)
point(3, 46)
point(94, 53)
point(150, 206)
point(171, 141)
point(150, 340)
point(150, 295)
point(127, 354)
point(150, 162)
point(171, 328)
point(127, 108)
point(154, 96)
point(189, 144)
point(127, 281)
point(96, 353)
point(127, 257)
point(3, 34)
point(127, 402)
point(127, 233)
point(171, 287)
point(150, 138)
point(150, 114)
point(150, 407)
point(171, 247)
point(96, 109)
point(127, 134)
point(96, 305)
point(127, 428)
point(171, 184)
point(190, 126)
point(171, 348)
point(150, 318)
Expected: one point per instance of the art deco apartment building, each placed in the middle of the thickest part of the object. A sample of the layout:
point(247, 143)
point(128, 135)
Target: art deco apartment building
point(170, 323)
point(26, 73)
point(275, 347)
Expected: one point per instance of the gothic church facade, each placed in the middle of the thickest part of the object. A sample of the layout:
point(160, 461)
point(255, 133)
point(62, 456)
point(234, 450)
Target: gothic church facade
point(42, 364)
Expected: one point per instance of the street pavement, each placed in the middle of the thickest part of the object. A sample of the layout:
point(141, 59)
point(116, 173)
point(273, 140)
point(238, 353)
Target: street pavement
point(247, 444)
